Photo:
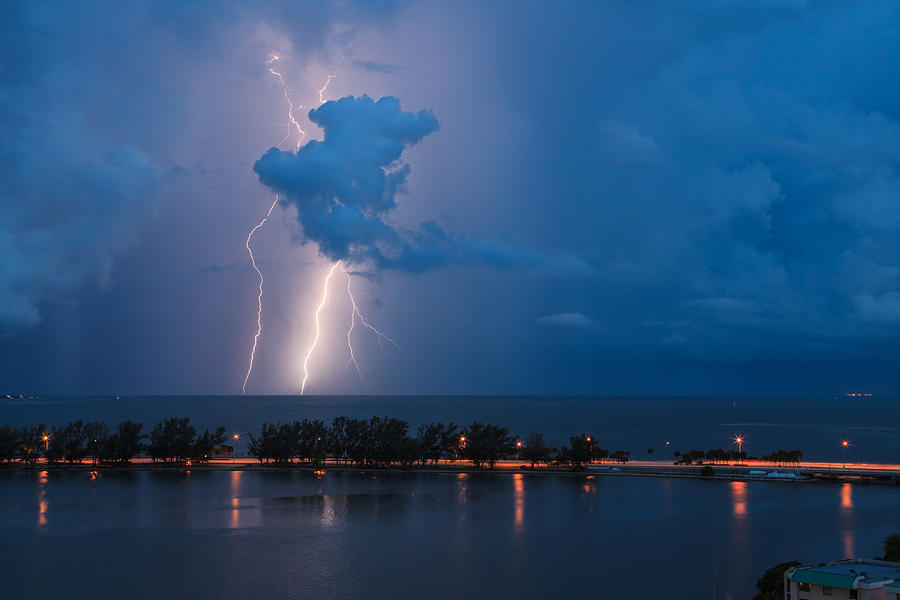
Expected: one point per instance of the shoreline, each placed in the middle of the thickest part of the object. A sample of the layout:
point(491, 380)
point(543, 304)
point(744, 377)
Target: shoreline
point(720, 472)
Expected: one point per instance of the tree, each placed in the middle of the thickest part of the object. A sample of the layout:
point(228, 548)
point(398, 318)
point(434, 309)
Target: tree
point(207, 444)
point(891, 548)
point(433, 441)
point(620, 456)
point(771, 584)
point(311, 440)
point(172, 439)
point(75, 447)
point(486, 444)
point(29, 446)
point(96, 437)
point(534, 450)
point(9, 443)
point(125, 443)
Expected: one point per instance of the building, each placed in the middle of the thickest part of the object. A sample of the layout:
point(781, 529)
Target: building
point(842, 579)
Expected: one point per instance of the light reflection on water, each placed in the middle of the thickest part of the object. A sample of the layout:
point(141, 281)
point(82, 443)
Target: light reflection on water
point(519, 503)
point(848, 521)
point(253, 528)
point(739, 498)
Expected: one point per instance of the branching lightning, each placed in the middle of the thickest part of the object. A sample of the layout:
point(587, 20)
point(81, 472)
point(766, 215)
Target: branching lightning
point(327, 81)
point(259, 297)
point(358, 315)
point(292, 122)
point(355, 315)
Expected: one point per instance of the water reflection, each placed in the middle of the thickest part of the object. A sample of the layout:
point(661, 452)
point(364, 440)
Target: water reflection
point(847, 520)
point(461, 479)
point(739, 498)
point(589, 488)
point(846, 495)
point(519, 503)
point(42, 499)
point(235, 488)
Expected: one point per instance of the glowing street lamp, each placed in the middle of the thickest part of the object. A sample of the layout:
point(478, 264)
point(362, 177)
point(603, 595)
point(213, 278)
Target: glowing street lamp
point(235, 438)
point(844, 445)
point(45, 437)
point(739, 440)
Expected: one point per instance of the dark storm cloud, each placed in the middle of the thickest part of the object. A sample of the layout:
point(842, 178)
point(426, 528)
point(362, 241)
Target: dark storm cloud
point(731, 171)
point(92, 97)
point(345, 187)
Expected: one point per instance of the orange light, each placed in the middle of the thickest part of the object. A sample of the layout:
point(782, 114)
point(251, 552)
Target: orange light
point(462, 439)
point(845, 443)
point(588, 438)
point(518, 444)
point(236, 437)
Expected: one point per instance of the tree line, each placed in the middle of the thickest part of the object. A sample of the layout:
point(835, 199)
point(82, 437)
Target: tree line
point(171, 440)
point(373, 442)
point(720, 455)
point(386, 442)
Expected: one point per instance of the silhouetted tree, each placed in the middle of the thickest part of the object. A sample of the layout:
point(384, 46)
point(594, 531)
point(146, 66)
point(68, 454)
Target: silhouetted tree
point(124, 444)
point(96, 437)
point(30, 444)
point(534, 450)
point(433, 441)
point(771, 584)
point(891, 548)
point(10, 442)
point(486, 444)
point(206, 444)
point(172, 439)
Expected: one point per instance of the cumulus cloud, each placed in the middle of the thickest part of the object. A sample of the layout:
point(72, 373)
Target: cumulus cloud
point(345, 187)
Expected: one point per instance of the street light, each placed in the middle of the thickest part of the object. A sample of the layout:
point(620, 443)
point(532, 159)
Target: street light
point(45, 437)
point(740, 444)
point(666, 461)
point(236, 437)
point(844, 445)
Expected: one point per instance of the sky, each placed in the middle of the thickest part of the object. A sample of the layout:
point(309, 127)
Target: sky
point(528, 197)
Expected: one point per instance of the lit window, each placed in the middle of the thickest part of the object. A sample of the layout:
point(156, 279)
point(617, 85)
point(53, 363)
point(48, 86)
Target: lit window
point(826, 591)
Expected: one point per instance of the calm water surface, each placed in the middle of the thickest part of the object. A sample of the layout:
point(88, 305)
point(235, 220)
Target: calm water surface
point(284, 534)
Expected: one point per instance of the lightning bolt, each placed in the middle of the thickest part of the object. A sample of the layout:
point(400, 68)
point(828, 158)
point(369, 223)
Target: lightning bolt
point(318, 326)
point(355, 315)
point(292, 122)
point(358, 315)
point(327, 81)
point(259, 297)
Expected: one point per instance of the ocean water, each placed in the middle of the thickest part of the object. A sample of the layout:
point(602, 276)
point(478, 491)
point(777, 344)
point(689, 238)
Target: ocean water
point(347, 535)
point(814, 425)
